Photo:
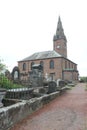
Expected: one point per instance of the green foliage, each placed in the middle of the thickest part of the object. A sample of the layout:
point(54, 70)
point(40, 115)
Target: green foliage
point(83, 79)
point(2, 67)
point(4, 81)
point(7, 84)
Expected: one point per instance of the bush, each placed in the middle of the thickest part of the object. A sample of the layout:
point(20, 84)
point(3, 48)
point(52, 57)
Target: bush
point(7, 84)
point(83, 79)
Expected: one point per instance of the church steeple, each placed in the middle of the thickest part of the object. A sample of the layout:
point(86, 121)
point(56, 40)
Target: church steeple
point(59, 31)
point(59, 40)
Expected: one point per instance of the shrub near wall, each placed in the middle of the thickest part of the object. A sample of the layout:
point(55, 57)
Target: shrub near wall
point(7, 84)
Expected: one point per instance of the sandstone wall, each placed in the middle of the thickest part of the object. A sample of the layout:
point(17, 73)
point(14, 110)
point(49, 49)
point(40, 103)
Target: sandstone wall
point(14, 113)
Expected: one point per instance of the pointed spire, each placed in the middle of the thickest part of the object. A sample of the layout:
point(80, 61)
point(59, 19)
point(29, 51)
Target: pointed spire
point(59, 31)
point(59, 22)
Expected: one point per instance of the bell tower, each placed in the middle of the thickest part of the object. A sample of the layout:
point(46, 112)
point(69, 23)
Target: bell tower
point(59, 40)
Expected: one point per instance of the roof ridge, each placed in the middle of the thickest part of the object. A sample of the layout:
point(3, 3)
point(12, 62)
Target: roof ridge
point(42, 55)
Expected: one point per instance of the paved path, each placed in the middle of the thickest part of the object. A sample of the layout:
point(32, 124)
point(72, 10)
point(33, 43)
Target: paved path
point(67, 112)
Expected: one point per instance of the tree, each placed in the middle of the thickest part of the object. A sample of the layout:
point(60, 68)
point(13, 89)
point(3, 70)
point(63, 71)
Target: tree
point(83, 79)
point(2, 67)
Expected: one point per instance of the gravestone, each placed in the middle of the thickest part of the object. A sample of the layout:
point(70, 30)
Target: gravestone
point(36, 76)
point(61, 83)
point(52, 86)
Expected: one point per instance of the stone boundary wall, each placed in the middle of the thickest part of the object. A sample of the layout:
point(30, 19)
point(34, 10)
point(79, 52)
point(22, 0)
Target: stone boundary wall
point(14, 113)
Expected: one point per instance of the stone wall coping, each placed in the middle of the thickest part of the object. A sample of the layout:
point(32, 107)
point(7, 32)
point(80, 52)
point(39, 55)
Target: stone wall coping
point(10, 115)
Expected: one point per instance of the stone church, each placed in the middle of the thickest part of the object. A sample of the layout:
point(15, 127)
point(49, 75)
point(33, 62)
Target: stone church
point(55, 63)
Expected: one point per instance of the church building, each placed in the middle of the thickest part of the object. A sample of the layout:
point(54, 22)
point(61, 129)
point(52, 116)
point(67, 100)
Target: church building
point(55, 63)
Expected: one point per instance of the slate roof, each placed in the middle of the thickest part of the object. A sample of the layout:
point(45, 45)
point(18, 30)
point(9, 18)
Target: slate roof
point(43, 55)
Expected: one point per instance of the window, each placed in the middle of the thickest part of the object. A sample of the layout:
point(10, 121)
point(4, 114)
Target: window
point(32, 63)
point(51, 64)
point(42, 64)
point(24, 66)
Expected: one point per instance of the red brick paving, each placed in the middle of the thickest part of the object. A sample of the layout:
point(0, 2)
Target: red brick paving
point(67, 112)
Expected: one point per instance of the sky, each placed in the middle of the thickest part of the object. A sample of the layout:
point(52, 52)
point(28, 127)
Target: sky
point(28, 26)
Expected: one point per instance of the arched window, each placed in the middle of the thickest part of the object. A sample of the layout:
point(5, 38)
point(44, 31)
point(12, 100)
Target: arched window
point(24, 66)
point(51, 64)
point(32, 63)
point(42, 64)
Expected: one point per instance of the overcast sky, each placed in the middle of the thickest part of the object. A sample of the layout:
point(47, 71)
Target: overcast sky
point(28, 26)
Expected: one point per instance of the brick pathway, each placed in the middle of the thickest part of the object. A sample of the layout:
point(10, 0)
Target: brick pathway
point(67, 112)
